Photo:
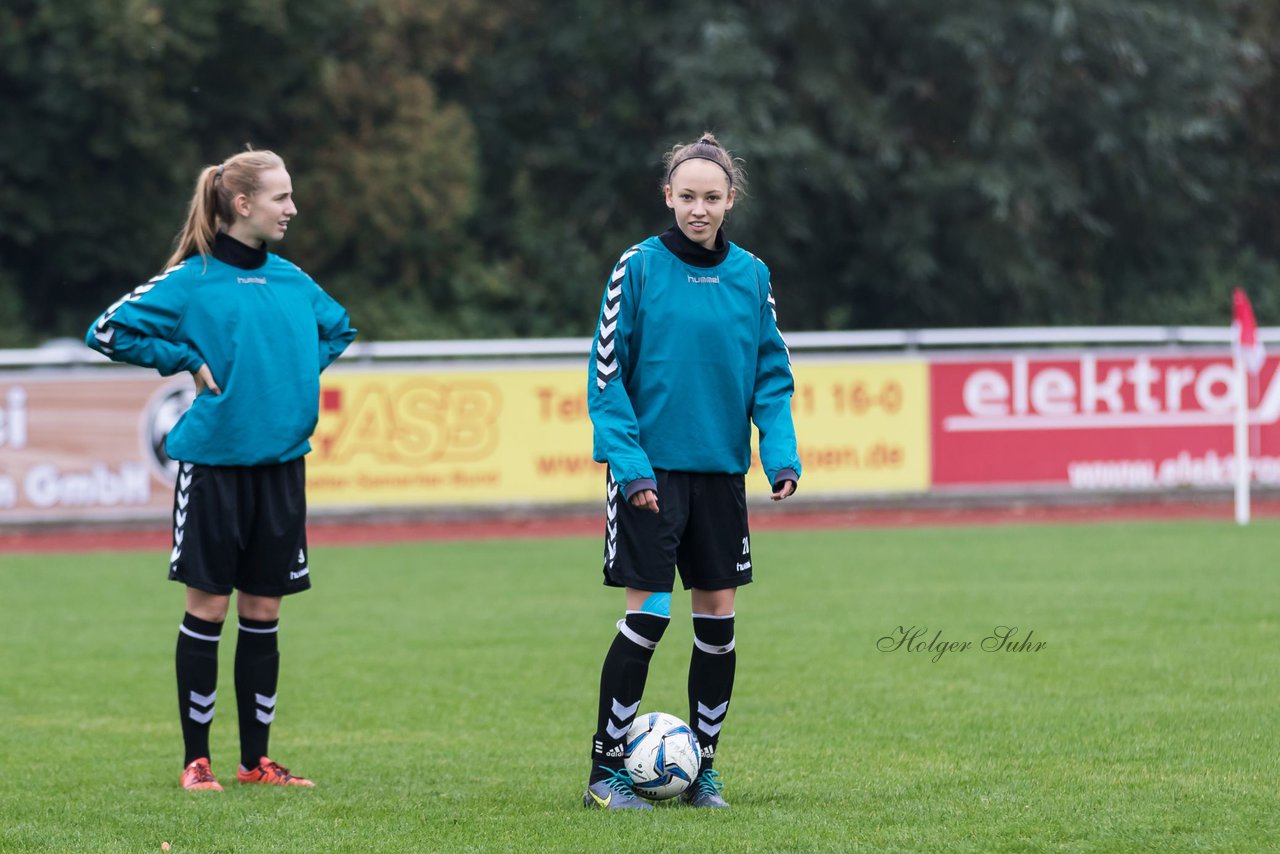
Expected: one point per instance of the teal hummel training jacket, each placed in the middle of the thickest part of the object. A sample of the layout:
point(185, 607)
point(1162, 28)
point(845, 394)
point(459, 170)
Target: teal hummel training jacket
point(265, 329)
point(686, 356)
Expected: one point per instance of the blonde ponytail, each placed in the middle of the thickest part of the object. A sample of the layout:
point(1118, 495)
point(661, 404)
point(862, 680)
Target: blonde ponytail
point(211, 208)
point(202, 221)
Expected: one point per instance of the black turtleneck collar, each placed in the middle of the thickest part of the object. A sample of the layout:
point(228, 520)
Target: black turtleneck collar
point(691, 253)
point(228, 250)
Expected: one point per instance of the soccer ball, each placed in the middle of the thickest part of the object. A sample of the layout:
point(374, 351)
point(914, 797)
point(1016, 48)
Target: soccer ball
point(662, 755)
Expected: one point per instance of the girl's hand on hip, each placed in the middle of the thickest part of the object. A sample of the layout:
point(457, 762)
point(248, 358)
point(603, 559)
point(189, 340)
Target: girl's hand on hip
point(204, 380)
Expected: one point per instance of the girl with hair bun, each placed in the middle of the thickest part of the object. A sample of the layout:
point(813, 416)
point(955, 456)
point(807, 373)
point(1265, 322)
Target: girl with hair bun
point(687, 355)
point(255, 332)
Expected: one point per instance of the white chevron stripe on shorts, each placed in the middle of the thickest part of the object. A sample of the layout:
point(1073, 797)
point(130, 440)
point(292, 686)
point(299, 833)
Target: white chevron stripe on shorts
point(611, 523)
point(181, 498)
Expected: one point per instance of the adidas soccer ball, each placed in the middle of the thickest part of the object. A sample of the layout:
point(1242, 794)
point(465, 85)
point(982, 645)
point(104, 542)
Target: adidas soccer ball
point(662, 755)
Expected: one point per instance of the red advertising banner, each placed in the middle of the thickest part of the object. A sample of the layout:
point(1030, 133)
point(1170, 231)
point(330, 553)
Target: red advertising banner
point(1097, 421)
point(87, 445)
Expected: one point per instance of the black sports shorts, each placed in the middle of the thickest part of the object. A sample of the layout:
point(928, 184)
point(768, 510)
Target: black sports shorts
point(700, 529)
point(242, 528)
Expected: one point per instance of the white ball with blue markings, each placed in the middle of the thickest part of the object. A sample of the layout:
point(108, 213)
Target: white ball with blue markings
point(662, 755)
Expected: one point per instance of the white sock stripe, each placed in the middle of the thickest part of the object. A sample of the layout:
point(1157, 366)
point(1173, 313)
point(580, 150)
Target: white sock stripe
point(705, 711)
point(709, 729)
point(624, 713)
point(651, 614)
point(186, 631)
point(713, 650)
point(631, 635)
point(728, 616)
point(252, 631)
point(616, 732)
point(200, 717)
point(265, 701)
point(265, 717)
point(204, 699)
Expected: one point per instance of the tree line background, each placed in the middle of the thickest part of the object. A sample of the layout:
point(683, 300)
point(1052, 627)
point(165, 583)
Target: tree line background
point(473, 169)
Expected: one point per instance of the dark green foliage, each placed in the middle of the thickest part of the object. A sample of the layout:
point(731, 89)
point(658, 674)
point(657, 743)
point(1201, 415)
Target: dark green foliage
point(473, 169)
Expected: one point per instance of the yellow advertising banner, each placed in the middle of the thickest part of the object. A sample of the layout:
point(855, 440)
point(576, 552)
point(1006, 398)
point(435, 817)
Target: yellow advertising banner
point(863, 426)
point(521, 435)
point(508, 435)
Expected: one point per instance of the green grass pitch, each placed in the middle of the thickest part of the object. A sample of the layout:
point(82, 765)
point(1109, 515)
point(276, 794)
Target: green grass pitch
point(442, 695)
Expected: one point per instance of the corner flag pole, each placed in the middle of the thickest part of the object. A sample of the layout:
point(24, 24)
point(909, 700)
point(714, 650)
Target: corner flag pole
point(1247, 358)
point(1242, 440)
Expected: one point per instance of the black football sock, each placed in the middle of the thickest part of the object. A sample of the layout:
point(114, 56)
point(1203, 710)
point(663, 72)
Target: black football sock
point(257, 672)
point(197, 666)
point(711, 669)
point(622, 679)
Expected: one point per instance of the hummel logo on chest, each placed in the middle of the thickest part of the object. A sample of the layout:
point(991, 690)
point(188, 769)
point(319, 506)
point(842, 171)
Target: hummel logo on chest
point(251, 280)
point(703, 280)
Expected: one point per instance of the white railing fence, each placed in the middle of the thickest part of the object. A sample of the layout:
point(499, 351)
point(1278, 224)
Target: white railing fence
point(67, 352)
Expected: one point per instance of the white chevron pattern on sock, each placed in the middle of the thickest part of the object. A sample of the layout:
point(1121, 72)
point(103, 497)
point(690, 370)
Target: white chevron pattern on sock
point(266, 711)
point(708, 716)
point(624, 714)
point(201, 708)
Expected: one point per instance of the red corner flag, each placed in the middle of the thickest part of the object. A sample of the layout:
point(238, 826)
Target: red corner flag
point(1244, 329)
